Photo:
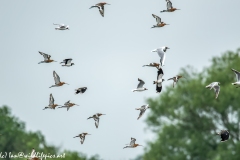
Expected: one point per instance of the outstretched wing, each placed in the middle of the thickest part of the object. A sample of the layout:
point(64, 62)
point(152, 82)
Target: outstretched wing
point(160, 74)
point(96, 122)
point(82, 139)
point(141, 113)
point(45, 56)
point(158, 19)
point(67, 102)
point(161, 54)
point(141, 83)
point(237, 74)
point(133, 140)
point(51, 100)
point(169, 5)
point(56, 78)
point(101, 10)
point(216, 90)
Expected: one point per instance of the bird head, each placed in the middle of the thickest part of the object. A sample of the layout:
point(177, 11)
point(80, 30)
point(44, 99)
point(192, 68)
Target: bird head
point(65, 83)
point(163, 80)
point(165, 48)
point(72, 64)
point(137, 145)
point(67, 27)
point(86, 134)
point(100, 114)
point(145, 89)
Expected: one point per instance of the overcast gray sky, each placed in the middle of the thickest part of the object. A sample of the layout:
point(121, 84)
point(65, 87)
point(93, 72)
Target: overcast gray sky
point(108, 54)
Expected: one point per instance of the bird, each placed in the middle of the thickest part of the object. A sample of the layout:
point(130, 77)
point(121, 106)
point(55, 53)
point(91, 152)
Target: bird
point(169, 7)
point(140, 87)
point(80, 90)
point(62, 27)
point(159, 22)
point(47, 58)
point(132, 144)
point(157, 65)
point(216, 87)
point(162, 53)
point(142, 110)
point(238, 78)
point(175, 79)
point(100, 6)
point(68, 105)
point(33, 155)
point(224, 135)
point(96, 118)
point(82, 137)
point(58, 83)
point(51, 103)
point(159, 81)
point(67, 62)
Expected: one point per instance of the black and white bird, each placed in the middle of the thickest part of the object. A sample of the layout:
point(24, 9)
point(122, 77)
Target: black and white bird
point(80, 90)
point(142, 110)
point(82, 137)
point(161, 53)
point(100, 7)
point(169, 7)
point(61, 27)
point(157, 65)
point(96, 118)
point(140, 87)
point(237, 83)
point(216, 87)
point(224, 135)
point(159, 81)
point(67, 62)
point(159, 22)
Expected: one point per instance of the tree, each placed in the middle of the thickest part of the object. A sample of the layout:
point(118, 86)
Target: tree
point(186, 118)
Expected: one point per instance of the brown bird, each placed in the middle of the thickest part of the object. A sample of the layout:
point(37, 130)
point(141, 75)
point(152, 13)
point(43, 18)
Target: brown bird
point(46, 58)
point(157, 65)
point(96, 118)
point(169, 7)
point(68, 105)
point(132, 144)
point(58, 83)
point(33, 155)
point(51, 103)
point(82, 137)
point(175, 79)
point(100, 6)
point(159, 22)
point(142, 110)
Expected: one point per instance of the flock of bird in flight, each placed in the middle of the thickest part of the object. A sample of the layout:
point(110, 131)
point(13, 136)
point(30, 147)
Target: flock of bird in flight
point(162, 54)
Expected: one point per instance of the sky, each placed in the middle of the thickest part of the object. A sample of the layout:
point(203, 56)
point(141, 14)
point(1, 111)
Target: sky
point(108, 54)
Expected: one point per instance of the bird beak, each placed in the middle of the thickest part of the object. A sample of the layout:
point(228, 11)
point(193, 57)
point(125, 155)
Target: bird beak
point(76, 104)
point(108, 4)
point(154, 50)
point(88, 134)
point(167, 24)
point(67, 83)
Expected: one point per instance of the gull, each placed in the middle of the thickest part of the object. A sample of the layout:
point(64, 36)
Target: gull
point(51, 103)
point(140, 87)
point(67, 62)
point(159, 22)
point(96, 118)
point(238, 78)
point(162, 54)
point(61, 27)
point(159, 81)
point(169, 7)
point(80, 90)
point(33, 155)
point(100, 6)
point(215, 86)
point(46, 58)
point(58, 83)
point(82, 137)
point(175, 79)
point(224, 135)
point(142, 110)
point(132, 144)
point(68, 105)
point(152, 65)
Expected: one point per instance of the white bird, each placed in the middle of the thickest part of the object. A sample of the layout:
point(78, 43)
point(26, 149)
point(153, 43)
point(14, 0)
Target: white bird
point(67, 62)
point(58, 83)
point(215, 86)
point(238, 78)
point(162, 54)
point(82, 137)
point(140, 87)
point(132, 144)
point(159, 81)
point(61, 27)
point(142, 110)
point(33, 155)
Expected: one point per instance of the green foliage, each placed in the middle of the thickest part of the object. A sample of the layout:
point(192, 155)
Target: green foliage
point(14, 138)
point(186, 118)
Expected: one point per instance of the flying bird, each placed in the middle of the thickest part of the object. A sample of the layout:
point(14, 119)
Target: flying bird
point(51, 103)
point(238, 78)
point(224, 135)
point(67, 62)
point(159, 22)
point(159, 81)
point(61, 27)
point(68, 105)
point(82, 137)
point(169, 7)
point(132, 144)
point(157, 65)
point(58, 83)
point(142, 110)
point(162, 53)
point(33, 155)
point(215, 86)
point(140, 87)
point(47, 58)
point(96, 118)
point(80, 90)
point(175, 79)
point(100, 7)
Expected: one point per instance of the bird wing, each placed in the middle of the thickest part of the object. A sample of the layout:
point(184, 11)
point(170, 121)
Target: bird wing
point(169, 5)
point(237, 74)
point(217, 90)
point(67, 61)
point(96, 122)
point(62, 26)
point(56, 77)
point(143, 107)
point(141, 83)
point(161, 54)
point(67, 102)
point(101, 10)
point(133, 140)
point(141, 113)
point(51, 100)
point(159, 87)
point(45, 56)
point(160, 74)
point(158, 19)
point(82, 138)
